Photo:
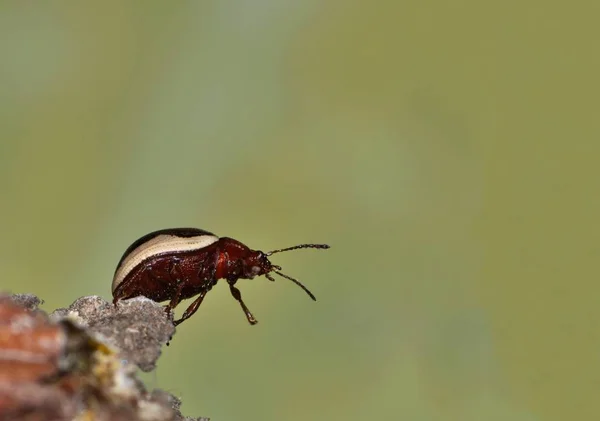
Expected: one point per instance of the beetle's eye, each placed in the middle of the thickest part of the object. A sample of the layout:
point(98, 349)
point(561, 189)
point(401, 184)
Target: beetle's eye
point(255, 270)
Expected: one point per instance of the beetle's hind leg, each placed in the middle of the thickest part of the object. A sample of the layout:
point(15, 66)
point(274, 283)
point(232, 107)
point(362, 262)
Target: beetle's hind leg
point(191, 309)
point(175, 300)
point(238, 296)
point(175, 275)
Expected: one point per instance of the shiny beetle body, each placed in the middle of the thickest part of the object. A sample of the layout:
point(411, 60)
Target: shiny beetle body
point(179, 263)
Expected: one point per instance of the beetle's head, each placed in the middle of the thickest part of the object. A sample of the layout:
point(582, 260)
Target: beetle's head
point(256, 264)
point(259, 264)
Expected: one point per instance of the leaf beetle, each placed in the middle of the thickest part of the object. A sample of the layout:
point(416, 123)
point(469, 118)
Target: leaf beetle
point(175, 264)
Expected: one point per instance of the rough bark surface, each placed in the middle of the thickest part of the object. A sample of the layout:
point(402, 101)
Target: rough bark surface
point(80, 363)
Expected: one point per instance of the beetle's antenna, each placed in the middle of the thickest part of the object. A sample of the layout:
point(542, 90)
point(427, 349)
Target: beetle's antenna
point(301, 246)
point(294, 281)
point(277, 269)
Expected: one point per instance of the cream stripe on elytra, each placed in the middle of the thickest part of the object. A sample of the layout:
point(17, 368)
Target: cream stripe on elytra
point(156, 246)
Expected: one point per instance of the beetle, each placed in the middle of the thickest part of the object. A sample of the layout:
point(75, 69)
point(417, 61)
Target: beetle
point(175, 264)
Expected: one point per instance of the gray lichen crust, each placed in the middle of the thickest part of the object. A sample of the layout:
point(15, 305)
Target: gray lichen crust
point(138, 327)
point(29, 301)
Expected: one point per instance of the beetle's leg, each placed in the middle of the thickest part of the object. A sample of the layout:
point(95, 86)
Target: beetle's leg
point(192, 308)
point(238, 296)
point(116, 299)
point(175, 274)
point(176, 298)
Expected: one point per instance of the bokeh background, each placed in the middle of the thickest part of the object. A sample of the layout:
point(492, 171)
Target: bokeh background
point(446, 150)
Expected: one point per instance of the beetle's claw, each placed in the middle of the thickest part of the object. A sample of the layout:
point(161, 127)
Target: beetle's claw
point(251, 318)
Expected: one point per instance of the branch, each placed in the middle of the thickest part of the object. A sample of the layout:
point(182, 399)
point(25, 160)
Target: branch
point(80, 362)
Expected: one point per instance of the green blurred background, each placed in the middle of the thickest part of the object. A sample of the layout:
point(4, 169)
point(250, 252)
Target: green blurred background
point(446, 151)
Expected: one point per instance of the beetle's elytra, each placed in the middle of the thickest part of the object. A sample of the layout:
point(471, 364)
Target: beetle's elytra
point(179, 263)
